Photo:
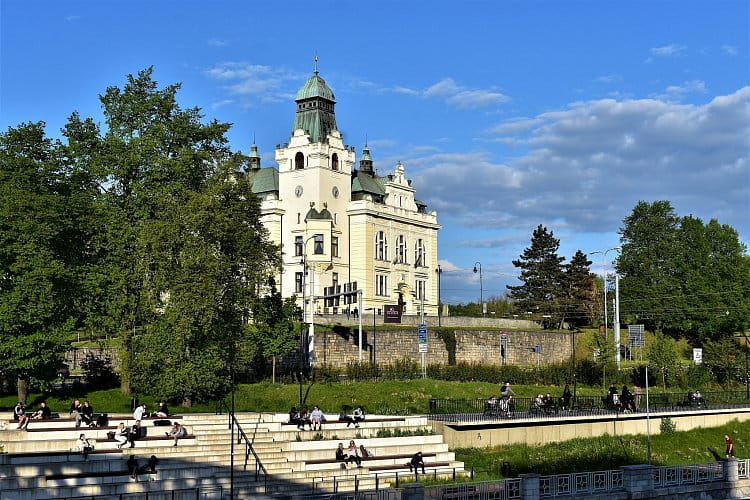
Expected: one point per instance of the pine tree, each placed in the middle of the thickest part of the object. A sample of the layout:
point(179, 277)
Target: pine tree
point(581, 300)
point(542, 292)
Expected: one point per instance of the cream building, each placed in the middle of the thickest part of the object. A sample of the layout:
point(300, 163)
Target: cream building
point(347, 222)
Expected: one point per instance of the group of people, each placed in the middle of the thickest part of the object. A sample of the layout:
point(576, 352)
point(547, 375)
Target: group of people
point(544, 403)
point(149, 468)
point(503, 405)
point(315, 419)
point(23, 418)
point(626, 401)
point(351, 455)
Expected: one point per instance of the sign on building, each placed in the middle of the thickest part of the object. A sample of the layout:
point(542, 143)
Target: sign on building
point(391, 313)
point(697, 355)
point(636, 335)
point(422, 337)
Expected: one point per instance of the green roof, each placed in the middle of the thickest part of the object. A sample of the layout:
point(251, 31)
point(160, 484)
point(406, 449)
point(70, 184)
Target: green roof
point(367, 183)
point(315, 87)
point(254, 151)
point(264, 180)
point(314, 214)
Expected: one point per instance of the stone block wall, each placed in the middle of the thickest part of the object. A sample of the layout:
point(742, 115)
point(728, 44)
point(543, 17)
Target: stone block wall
point(339, 347)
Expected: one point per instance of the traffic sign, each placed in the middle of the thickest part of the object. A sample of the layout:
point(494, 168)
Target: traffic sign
point(422, 335)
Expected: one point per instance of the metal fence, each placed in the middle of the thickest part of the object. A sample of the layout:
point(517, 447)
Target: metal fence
point(743, 468)
point(480, 410)
point(507, 489)
point(580, 483)
point(688, 474)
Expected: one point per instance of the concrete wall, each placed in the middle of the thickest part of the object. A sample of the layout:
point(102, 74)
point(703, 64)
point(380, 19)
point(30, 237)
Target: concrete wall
point(551, 431)
point(340, 347)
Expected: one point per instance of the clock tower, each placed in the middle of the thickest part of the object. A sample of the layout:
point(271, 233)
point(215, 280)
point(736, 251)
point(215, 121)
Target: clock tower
point(315, 169)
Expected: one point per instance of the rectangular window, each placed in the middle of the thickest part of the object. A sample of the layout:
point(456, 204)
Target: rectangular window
point(318, 248)
point(335, 288)
point(420, 286)
point(298, 282)
point(298, 243)
point(381, 285)
point(335, 246)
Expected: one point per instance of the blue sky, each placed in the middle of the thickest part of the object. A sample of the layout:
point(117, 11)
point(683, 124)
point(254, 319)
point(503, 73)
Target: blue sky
point(506, 114)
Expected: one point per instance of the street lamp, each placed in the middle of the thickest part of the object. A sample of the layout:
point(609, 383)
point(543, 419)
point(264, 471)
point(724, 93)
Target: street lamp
point(616, 328)
point(481, 298)
point(439, 271)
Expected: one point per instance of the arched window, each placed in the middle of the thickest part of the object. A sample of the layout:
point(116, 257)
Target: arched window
point(381, 246)
point(401, 249)
point(299, 161)
point(420, 259)
point(335, 161)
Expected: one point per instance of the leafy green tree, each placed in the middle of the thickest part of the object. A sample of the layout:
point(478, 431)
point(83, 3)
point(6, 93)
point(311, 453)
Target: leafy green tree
point(646, 265)
point(180, 254)
point(580, 306)
point(725, 359)
point(277, 326)
point(682, 276)
point(40, 254)
point(542, 291)
point(662, 356)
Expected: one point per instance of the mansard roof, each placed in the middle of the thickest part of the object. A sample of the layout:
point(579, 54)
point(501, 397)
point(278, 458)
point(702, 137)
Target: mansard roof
point(363, 182)
point(264, 180)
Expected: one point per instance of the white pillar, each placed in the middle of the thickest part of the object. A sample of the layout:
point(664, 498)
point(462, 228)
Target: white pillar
point(616, 324)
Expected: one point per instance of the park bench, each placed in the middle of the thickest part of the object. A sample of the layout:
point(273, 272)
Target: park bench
point(379, 457)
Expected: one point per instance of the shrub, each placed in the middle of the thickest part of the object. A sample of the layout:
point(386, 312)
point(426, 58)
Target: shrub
point(667, 426)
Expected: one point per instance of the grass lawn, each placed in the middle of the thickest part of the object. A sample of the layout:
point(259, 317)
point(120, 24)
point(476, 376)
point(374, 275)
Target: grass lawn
point(386, 397)
point(607, 452)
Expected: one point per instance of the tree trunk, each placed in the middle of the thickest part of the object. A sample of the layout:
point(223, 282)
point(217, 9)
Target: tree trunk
point(273, 369)
point(23, 388)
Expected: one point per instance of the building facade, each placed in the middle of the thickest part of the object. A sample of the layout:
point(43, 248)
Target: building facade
point(336, 217)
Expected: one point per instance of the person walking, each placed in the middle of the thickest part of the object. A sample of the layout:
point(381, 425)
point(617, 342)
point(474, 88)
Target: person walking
point(730, 446)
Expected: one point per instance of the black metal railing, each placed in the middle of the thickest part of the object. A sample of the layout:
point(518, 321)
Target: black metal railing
point(383, 480)
point(249, 450)
point(479, 410)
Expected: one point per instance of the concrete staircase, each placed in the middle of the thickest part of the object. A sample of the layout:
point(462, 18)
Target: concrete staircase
point(41, 465)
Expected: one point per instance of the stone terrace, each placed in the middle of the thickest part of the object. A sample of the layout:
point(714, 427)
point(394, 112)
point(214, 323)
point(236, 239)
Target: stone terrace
point(41, 464)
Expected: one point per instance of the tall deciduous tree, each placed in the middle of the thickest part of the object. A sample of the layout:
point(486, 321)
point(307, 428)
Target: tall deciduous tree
point(542, 291)
point(41, 241)
point(682, 276)
point(277, 323)
point(646, 266)
point(181, 254)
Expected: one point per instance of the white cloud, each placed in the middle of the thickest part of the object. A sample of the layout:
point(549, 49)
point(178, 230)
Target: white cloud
point(668, 50)
point(217, 42)
point(256, 81)
point(588, 164)
point(677, 92)
point(219, 104)
point(72, 17)
point(729, 50)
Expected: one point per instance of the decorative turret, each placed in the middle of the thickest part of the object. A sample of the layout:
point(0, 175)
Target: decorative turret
point(253, 158)
point(315, 108)
point(365, 163)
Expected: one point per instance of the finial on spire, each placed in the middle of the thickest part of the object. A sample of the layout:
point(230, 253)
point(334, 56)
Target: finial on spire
point(316, 62)
point(253, 137)
point(365, 139)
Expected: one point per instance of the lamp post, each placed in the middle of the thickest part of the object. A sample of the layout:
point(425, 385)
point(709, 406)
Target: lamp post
point(439, 271)
point(481, 298)
point(616, 327)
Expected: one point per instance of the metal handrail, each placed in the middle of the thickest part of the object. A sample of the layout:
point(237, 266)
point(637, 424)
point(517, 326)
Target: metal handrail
point(397, 476)
point(241, 436)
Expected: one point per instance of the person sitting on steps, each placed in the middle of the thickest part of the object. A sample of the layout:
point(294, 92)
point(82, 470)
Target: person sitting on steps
point(177, 432)
point(295, 419)
point(316, 418)
point(19, 414)
point(340, 455)
point(358, 415)
point(416, 461)
point(43, 413)
point(343, 417)
point(75, 412)
point(162, 411)
point(352, 454)
point(84, 446)
point(87, 414)
point(121, 435)
point(133, 467)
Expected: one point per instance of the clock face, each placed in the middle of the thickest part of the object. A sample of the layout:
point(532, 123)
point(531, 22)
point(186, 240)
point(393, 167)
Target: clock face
point(335, 192)
point(298, 191)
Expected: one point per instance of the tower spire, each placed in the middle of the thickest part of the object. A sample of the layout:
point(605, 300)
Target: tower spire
point(316, 63)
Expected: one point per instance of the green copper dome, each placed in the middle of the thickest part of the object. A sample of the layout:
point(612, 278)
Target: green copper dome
point(315, 87)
